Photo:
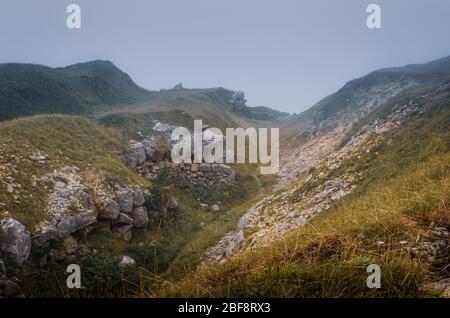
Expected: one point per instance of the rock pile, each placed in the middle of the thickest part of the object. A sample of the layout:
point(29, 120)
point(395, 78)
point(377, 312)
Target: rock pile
point(144, 155)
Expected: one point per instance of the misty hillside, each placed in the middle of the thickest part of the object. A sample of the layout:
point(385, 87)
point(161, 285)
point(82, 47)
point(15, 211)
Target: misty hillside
point(360, 96)
point(99, 87)
point(381, 196)
point(368, 183)
point(27, 89)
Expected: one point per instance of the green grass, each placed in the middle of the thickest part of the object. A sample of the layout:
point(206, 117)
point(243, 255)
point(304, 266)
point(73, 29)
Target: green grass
point(405, 189)
point(173, 247)
point(130, 123)
point(68, 141)
point(80, 89)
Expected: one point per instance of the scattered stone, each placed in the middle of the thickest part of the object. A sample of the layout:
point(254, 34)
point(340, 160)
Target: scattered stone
point(10, 188)
point(127, 261)
point(204, 206)
point(215, 208)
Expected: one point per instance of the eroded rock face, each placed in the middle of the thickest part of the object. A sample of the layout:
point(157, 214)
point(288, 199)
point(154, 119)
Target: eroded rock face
point(69, 224)
point(15, 241)
point(69, 194)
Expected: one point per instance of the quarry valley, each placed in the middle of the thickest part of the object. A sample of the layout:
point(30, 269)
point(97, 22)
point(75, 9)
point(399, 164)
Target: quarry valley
point(88, 178)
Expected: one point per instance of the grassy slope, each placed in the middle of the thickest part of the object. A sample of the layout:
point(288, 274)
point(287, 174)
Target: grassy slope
point(174, 247)
point(210, 105)
point(346, 99)
point(68, 141)
point(406, 188)
point(81, 89)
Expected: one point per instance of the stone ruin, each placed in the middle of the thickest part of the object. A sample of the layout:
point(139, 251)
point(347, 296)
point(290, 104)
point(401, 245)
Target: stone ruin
point(149, 157)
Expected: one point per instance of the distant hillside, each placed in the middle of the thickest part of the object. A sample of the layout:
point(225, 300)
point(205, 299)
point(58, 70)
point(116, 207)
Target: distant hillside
point(213, 105)
point(99, 88)
point(361, 96)
point(27, 89)
point(262, 113)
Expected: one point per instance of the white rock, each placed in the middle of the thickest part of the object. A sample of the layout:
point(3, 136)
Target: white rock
point(127, 261)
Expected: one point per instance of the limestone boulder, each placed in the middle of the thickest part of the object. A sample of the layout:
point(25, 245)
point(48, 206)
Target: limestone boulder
point(15, 241)
point(69, 224)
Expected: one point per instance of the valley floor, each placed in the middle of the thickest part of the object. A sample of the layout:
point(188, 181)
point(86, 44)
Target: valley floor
point(382, 197)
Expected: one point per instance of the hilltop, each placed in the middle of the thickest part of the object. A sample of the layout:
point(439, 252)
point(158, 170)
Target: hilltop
point(81, 89)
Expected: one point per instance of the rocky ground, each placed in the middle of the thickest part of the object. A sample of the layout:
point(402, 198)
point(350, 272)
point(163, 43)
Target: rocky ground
point(79, 202)
point(277, 214)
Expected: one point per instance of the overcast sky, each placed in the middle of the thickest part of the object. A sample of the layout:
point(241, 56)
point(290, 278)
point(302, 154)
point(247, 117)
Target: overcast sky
point(287, 54)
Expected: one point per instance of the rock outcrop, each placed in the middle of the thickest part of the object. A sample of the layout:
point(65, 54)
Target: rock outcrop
point(237, 101)
point(152, 154)
point(178, 87)
point(15, 241)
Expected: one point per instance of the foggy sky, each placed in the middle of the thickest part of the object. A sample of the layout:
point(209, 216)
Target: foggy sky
point(287, 54)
